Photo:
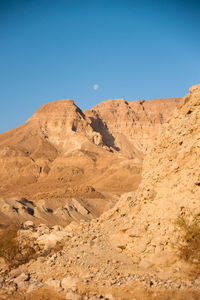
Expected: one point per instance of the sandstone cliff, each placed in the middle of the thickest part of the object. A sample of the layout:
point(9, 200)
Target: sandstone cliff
point(133, 125)
point(94, 156)
point(126, 253)
point(170, 188)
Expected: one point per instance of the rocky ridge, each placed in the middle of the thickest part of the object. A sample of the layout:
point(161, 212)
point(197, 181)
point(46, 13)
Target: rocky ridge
point(62, 153)
point(133, 125)
point(126, 253)
point(170, 184)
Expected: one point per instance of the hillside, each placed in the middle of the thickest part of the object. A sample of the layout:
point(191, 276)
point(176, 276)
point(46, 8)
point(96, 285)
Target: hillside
point(130, 251)
point(62, 153)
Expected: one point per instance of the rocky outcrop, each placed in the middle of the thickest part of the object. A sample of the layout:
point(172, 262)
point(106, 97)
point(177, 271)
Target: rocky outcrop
point(63, 153)
point(127, 251)
point(145, 220)
point(131, 126)
point(61, 212)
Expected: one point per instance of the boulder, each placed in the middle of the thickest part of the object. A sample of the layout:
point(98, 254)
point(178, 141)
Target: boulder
point(69, 283)
point(28, 224)
point(54, 284)
point(48, 241)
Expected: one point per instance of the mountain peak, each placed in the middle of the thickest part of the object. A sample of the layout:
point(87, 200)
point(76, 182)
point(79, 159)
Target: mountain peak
point(55, 107)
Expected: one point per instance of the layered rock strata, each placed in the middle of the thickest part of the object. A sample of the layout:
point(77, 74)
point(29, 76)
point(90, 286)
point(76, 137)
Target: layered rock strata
point(94, 156)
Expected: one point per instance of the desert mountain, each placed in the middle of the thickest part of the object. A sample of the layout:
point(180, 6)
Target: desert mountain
point(62, 152)
point(170, 188)
point(133, 125)
point(130, 251)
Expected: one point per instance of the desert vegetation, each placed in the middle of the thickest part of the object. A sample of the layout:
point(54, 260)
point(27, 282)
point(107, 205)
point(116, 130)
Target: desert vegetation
point(13, 252)
point(188, 241)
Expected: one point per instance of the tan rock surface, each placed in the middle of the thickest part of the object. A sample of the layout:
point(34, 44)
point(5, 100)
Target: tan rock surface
point(126, 253)
point(62, 153)
point(169, 188)
point(132, 125)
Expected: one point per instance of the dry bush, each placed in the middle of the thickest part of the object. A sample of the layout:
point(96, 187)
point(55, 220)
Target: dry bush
point(11, 251)
point(188, 241)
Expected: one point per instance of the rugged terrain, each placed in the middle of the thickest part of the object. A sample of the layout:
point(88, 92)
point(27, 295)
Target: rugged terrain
point(130, 251)
point(64, 164)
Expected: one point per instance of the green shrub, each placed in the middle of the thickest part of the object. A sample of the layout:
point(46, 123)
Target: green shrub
point(188, 241)
point(11, 251)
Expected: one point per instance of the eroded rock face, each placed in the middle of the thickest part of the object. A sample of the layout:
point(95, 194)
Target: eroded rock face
point(170, 187)
point(171, 171)
point(128, 249)
point(62, 152)
point(132, 126)
point(62, 212)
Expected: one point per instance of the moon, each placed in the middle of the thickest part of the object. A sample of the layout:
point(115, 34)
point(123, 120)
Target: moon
point(95, 86)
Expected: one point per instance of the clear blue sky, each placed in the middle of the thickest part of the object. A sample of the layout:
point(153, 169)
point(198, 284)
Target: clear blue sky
point(51, 50)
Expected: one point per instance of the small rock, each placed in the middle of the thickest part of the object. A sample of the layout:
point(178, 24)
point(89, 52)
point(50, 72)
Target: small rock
point(3, 265)
point(57, 228)
point(141, 245)
point(119, 240)
point(49, 241)
point(163, 259)
point(53, 283)
point(42, 229)
point(145, 264)
point(68, 283)
point(11, 288)
point(28, 224)
point(22, 280)
point(16, 272)
point(135, 259)
point(34, 286)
